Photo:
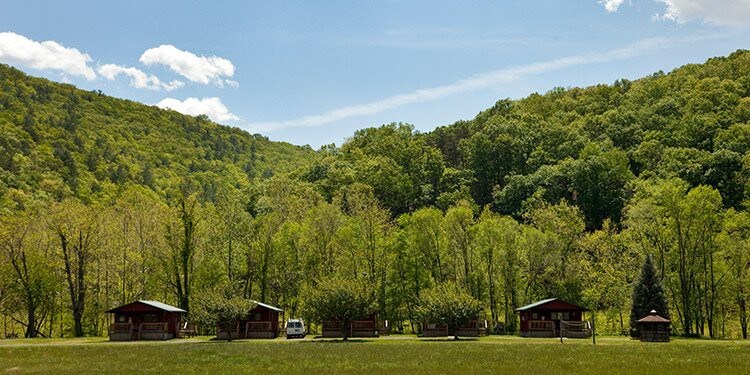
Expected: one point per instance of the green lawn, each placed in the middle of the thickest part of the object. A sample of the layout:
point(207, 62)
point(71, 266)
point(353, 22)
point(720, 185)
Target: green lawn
point(389, 354)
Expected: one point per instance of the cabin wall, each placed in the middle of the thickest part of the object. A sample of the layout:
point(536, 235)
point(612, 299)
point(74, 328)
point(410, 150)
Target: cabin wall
point(546, 313)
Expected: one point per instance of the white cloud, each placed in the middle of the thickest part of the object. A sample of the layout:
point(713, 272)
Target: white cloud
point(138, 78)
point(611, 5)
point(477, 82)
point(211, 107)
point(18, 50)
point(200, 69)
point(733, 13)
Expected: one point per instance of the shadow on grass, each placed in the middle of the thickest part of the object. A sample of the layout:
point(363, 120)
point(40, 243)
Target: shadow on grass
point(333, 340)
point(447, 339)
point(218, 340)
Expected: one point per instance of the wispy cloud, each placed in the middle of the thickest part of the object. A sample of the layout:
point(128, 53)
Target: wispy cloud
point(20, 50)
point(433, 39)
point(475, 83)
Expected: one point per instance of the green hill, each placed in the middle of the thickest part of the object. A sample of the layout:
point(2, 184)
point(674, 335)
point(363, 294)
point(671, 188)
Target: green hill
point(585, 145)
point(59, 141)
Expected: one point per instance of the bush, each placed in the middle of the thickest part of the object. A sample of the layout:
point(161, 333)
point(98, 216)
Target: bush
point(341, 300)
point(450, 305)
point(222, 310)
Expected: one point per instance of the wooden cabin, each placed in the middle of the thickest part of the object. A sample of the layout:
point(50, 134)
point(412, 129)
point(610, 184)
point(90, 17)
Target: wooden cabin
point(543, 319)
point(145, 320)
point(654, 328)
point(367, 326)
point(474, 328)
point(261, 322)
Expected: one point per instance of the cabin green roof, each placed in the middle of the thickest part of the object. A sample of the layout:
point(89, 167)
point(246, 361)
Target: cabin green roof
point(548, 300)
point(274, 308)
point(154, 304)
point(535, 304)
point(163, 306)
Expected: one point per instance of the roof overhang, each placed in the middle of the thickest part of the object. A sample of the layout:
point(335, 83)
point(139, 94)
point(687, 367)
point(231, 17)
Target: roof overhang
point(540, 304)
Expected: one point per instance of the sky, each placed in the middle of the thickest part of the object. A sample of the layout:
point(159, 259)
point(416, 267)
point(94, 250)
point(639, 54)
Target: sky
point(313, 72)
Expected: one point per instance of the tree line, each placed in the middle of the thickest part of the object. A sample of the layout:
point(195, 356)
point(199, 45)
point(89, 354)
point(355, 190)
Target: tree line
point(64, 264)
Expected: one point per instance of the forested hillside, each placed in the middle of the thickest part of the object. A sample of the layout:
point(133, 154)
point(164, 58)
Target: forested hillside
point(556, 195)
point(58, 142)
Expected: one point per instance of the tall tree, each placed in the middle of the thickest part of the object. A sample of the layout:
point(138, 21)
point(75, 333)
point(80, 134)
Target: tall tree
point(648, 295)
point(77, 229)
point(182, 240)
point(458, 225)
point(735, 241)
point(22, 248)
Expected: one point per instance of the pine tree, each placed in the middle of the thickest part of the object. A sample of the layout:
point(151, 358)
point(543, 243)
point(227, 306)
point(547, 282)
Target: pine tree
point(648, 295)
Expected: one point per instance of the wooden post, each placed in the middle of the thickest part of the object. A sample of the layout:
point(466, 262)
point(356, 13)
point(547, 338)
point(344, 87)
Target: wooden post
point(593, 327)
point(561, 330)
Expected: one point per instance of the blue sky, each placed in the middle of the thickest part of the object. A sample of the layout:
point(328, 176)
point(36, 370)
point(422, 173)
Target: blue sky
point(310, 72)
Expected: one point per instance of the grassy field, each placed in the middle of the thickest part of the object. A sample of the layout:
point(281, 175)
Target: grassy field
point(388, 354)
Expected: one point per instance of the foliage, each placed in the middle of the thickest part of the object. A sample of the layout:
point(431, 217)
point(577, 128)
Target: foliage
point(449, 305)
point(221, 309)
point(340, 300)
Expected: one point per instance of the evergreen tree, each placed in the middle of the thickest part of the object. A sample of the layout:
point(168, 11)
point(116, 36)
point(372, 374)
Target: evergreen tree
point(648, 295)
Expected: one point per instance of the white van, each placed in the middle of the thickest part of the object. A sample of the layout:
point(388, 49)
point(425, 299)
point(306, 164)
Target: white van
point(295, 328)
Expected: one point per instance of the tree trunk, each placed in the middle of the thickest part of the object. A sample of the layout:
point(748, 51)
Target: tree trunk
point(743, 316)
point(31, 327)
point(75, 278)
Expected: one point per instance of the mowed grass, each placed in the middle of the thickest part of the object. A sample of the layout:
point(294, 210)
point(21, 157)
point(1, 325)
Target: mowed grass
point(398, 353)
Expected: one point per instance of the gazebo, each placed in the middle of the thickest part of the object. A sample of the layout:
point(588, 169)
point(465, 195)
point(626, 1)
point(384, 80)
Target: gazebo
point(654, 328)
point(545, 318)
point(145, 320)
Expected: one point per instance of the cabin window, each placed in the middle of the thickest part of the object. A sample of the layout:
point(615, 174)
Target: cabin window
point(534, 316)
point(121, 318)
point(560, 316)
point(150, 318)
point(255, 316)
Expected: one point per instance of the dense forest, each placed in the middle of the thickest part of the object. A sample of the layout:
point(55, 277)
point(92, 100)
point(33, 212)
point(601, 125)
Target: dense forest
point(562, 194)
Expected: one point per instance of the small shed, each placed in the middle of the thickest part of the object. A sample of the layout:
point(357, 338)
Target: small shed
point(145, 320)
point(366, 326)
point(654, 328)
point(261, 322)
point(545, 318)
